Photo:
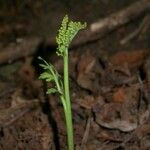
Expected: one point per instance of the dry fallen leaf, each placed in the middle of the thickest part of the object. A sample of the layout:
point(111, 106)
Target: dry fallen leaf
point(132, 58)
point(119, 96)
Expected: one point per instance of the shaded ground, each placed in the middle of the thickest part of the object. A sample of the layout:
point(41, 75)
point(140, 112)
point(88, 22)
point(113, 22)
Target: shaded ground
point(110, 82)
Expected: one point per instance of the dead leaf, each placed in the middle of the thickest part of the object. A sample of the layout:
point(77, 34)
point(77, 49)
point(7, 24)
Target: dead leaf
point(86, 67)
point(89, 102)
point(119, 96)
point(132, 58)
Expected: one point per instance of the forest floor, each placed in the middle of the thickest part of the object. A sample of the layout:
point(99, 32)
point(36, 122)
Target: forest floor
point(109, 80)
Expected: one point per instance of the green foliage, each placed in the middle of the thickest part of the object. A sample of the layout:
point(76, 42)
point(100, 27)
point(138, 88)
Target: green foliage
point(51, 75)
point(66, 33)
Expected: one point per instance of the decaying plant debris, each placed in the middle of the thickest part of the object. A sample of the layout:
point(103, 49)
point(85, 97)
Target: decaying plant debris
point(110, 82)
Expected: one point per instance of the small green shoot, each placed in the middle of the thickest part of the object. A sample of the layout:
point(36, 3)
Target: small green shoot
point(66, 33)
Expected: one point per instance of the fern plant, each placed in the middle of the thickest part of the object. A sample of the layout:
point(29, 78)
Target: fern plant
point(66, 33)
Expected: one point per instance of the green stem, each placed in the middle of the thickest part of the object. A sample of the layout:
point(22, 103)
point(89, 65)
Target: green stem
point(68, 113)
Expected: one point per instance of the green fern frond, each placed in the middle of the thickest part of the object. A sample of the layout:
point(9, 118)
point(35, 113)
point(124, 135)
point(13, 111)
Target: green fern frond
point(51, 75)
point(66, 33)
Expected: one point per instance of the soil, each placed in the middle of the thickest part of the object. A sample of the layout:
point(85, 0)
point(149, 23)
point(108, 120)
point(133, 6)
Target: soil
point(109, 80)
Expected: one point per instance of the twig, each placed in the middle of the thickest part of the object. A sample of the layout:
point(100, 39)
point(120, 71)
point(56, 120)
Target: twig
point(19, 115)
point(121, 17)
point(86, 133)
point(10, 115)
point(13, 52)
point(137, 31)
